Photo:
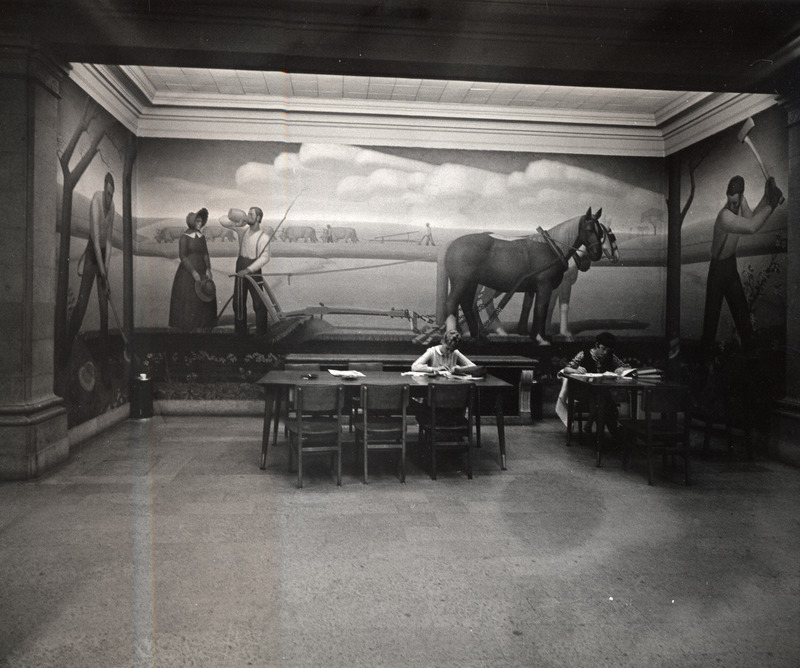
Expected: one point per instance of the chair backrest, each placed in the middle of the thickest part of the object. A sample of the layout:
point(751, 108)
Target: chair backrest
point(449, 402)
point(447, 395)
point(386, 399)
point(365, 367)
point(666, 405)
point(319, 399)
point(664, 400)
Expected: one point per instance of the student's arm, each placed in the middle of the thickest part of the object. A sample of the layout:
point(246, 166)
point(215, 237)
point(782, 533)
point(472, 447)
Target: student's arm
point(462, 362)
point(574, 365)
point(421, 364)
point(619, 365)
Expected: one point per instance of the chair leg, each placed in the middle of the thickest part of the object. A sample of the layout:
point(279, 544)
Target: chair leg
point(366, 457)
point(339, 461)
point(300, 462)
point(686, 463)
point(469, 461)
point(433, 454)
point(403, 461)
point(649, 464)
point(277, 417)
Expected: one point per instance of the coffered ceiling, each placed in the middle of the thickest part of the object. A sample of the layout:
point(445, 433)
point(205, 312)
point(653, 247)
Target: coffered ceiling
point(191, 102)
point(629, 76)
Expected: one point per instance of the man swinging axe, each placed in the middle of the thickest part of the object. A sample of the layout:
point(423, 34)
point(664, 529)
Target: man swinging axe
point(735, 219)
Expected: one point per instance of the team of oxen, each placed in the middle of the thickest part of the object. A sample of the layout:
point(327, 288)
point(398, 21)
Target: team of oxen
point(290, 234)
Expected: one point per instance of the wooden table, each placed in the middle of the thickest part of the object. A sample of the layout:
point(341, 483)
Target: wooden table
point(515, 369)
point(596, 385)
point(275, 382)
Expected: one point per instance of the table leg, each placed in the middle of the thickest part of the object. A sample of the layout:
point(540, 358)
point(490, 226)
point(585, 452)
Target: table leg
point(477, 419)
point(570, 413)
point(501, 429)
point(600, 425)
point(270, 396)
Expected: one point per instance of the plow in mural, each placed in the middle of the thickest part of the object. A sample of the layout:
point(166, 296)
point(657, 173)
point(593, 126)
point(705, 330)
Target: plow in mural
point(535, 265)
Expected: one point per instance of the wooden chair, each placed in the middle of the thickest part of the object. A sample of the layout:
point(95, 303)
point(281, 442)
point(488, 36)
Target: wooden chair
point(580, 411)
point(382, 423)
point(663, 429)
point(352, 403)
point(317, 426)
point(287, 399)
point(446, 421)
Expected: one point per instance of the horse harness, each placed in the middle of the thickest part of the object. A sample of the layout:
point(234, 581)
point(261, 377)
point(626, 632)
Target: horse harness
point(560, 258)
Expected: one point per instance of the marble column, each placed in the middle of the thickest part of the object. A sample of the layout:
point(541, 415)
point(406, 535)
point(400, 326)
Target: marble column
point(33, 420)
point(785, 436)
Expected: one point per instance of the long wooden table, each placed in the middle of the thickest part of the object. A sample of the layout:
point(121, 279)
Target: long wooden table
point(276, 382)
point(596, 385)
point(515, 369)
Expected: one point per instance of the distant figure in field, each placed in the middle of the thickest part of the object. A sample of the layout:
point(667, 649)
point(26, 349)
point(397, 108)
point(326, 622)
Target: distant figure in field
point(428, 237)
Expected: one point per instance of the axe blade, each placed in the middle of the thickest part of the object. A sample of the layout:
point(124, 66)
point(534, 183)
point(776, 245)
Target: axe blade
point(749, 124)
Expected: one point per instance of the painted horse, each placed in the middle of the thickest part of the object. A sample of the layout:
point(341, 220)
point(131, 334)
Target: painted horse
point(562, 294)
point(535, 265)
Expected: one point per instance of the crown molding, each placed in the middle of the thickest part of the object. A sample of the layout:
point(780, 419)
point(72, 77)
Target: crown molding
point(114, 92)
point(718, 113)
point(128, 95)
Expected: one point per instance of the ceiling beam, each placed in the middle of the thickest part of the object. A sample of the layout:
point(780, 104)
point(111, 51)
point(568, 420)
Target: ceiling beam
point(731, 46)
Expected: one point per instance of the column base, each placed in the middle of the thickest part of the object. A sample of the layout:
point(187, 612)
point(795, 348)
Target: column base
point(33, 438)
point(784, 442)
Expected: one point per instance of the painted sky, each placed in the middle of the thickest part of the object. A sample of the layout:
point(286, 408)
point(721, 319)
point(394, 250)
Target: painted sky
point(350, 185)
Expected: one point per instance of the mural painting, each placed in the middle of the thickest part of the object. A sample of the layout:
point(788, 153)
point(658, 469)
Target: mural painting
point(90, 350)
point(735, 217)
point(354, 241)
point(733, 285)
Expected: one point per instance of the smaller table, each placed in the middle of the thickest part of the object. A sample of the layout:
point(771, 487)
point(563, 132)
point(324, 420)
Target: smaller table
point(275, 381)
point(596, 385)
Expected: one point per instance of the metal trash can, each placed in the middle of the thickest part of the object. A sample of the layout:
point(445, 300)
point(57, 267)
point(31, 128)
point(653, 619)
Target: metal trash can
point(141, 398)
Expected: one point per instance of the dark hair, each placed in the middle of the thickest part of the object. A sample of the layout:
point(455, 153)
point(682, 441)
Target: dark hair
point(606, 339)
point(259, 213)
point(735, 186)
point(190, 219)
point(203, 215)
point(109, 179)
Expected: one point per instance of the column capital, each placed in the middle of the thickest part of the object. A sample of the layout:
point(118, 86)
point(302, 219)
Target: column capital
point(22, 60)
point(792, 106)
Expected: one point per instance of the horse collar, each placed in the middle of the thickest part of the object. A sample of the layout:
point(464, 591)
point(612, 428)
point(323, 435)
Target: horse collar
point(556, 250)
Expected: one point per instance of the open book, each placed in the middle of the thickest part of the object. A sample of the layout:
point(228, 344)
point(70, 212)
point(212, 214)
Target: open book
point(643, 372)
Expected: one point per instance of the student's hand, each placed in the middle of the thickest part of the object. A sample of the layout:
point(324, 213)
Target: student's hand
point(242, 272)
point(209, 275)
point(579, 369)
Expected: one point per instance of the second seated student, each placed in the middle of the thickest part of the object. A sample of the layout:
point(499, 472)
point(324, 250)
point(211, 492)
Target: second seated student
point(600, 358)
point(444, 357)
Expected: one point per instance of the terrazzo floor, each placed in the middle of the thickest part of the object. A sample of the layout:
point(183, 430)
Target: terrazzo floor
point(161, 542)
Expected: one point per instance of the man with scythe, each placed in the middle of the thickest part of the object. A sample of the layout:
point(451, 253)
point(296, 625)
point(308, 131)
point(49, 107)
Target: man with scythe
point(94, 265)
point(254, 253)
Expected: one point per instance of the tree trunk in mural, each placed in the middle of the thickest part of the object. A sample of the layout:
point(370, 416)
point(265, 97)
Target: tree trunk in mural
point(127, 241)
point(71, 179)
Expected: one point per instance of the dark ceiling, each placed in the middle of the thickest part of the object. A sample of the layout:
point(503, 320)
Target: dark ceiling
point(713, 45)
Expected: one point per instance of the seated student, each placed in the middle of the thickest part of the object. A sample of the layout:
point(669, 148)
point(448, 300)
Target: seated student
point(599, 359)
point(444, 357)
